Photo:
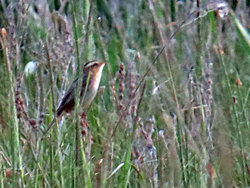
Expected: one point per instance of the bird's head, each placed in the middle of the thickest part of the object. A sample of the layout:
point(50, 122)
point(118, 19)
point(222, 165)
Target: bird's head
point(94, 70)
point(94, 67)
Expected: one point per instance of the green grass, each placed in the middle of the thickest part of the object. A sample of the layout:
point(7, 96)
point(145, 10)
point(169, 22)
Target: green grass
point(173, 109)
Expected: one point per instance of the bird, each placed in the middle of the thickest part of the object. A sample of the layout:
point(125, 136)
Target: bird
point(92, 73)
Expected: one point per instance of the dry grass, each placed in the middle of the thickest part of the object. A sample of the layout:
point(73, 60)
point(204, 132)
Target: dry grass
point(173, 105)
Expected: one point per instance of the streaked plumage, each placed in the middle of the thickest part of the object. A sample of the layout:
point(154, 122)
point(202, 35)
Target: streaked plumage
point(93, 70)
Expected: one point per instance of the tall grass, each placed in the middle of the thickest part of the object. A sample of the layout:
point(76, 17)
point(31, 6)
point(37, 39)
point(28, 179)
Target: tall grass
point(172, 109)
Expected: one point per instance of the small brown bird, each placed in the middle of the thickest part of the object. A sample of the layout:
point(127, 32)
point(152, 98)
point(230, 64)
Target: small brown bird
point(92, 73)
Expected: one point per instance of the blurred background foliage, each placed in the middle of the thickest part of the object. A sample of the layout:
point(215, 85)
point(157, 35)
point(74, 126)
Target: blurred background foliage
point(173, 106)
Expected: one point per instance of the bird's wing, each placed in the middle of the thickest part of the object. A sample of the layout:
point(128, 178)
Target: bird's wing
point(68, 100)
